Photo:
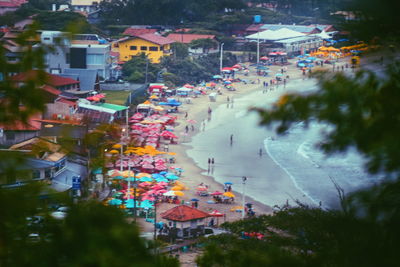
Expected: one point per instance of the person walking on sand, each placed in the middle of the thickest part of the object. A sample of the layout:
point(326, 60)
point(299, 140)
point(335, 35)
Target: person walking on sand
point(209, 161)
point(260, 152)
point(186, 115)
point(212, 161)
point(227, 99)
point(231, 139)
point(186, 129)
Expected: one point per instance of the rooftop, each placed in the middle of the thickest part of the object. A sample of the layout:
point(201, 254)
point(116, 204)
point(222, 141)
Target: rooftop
point(187, 38)
point(50, 79)
point(184, 213)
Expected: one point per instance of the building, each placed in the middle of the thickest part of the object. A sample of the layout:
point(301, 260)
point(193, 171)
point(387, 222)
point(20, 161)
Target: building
point(98, 112)
point(286, 40)
point(88, 79)
point(187, 221)
point(84, 51)
point(86, 6)
point(10, 5)
point(16, 132)
point(187, 38)
point(153, 45)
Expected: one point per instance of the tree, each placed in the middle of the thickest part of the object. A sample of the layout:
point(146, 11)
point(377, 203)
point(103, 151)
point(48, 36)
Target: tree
point(137, 68)
point(63, 21)
point(205, 44)
point(180, 50)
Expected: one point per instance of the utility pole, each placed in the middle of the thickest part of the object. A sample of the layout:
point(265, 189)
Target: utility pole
point(147, 68)
point(220, 58)
point(244, 178)
point(258, 48)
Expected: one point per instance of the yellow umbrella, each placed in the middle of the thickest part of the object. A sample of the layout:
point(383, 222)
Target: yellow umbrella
point(179, 193)
point(237, 208)
point(153, 97)
point(147, 102)
point(158, 108)
point(171, 153)
point(128, 174)
point(113, 151)
point(228, 194)
point(176, 188)
point(117, 146)
point(143, 174)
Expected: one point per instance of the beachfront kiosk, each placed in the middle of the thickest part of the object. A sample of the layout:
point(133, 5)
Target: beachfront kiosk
point(185, 221)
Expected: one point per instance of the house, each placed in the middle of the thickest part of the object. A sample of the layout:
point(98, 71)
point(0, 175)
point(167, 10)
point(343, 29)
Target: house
point(86, 6)
point(88, 79)
point(98, 112)
point(187, 38)
point(187, 221)
point(10, 5)
point(45, 160)
point(153, 45)
point(51, 81)
point(18, 131)
point(84, 51)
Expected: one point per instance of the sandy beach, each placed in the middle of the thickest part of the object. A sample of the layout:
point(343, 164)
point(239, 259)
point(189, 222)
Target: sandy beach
point(193, 175)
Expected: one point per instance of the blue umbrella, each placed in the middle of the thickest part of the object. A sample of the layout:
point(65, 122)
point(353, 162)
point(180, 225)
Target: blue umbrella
point(227, 82)
point(217, 77)
point(130, 204)
point(311, 58)
point(115, 201)
point(146, 179)
point(194, 199)
point(118, 177)
point(157, 175)
point(301, 65)
point(130, 179)
point(163, 179)
point(229, 183)
point(146, 204)
point(278, 74)
point(163, 173)
point(172, 177)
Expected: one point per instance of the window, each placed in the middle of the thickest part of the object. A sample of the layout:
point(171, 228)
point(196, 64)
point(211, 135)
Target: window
point(133, 47)
point(95, 59)
point(36, 174)
point(47, 173)
point(153, 48)
point(10, 135)
point(67, 58)
point(143, 48)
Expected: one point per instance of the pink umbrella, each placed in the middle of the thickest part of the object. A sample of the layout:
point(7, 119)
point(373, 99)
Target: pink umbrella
point(216, 213)
point(162, 183)
point(216, 193)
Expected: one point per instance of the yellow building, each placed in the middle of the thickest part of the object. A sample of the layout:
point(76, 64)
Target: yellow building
point(154, 46)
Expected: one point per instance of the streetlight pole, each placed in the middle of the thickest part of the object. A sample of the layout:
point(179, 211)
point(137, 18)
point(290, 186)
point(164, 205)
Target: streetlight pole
point(258, 48)
point(244, 178)
point(220, 57)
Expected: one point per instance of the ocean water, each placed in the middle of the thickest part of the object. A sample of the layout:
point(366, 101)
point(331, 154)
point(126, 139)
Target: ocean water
point(290, 167)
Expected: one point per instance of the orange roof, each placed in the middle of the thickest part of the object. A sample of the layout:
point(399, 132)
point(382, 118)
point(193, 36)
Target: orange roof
point(187, 38)
point(184, 213)
point(51, 90)
point(50, 79)
point(137, 31)
point(32, 124)
point(157, 39)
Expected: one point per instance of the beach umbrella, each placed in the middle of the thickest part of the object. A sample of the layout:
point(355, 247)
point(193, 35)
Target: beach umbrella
point(194, 200)
point(172, 177)
point(176, 188)
point(264, 58)
point(146, 179)
point(179, 193)
point(216, 213)
point(217, 77)
point(144, 184)
point(113, 151)
point(169, 194)
point(201, 189)
point(117, 146)
point(301, 65)
point(228, 194)
point(115, 202)
point(156, 176)
point(278, 75)
point(237, 208)
point(216, 193)
point(228, 183)
point(162, 180)
point(143, 174)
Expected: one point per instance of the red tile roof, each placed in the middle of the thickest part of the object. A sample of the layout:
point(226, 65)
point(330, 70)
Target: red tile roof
point(32, 124)
point(12, 3)
point(136, 32)
point(50, 79)
point(157, 39)
point(184, 213)
point(187, 38)
point(51, 90)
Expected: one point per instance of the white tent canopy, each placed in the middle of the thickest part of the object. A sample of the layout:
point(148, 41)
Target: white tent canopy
point(280, 34)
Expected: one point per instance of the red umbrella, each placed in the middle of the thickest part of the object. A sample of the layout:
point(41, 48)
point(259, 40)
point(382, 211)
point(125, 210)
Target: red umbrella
point(216, 213)
point(168, 134)
point(216, 193)
point(264, 58)
point(188, 86)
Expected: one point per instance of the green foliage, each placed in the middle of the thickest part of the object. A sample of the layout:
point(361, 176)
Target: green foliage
point(135, 69)
point(180, 50)
point(205, 44)
point(63, 21)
